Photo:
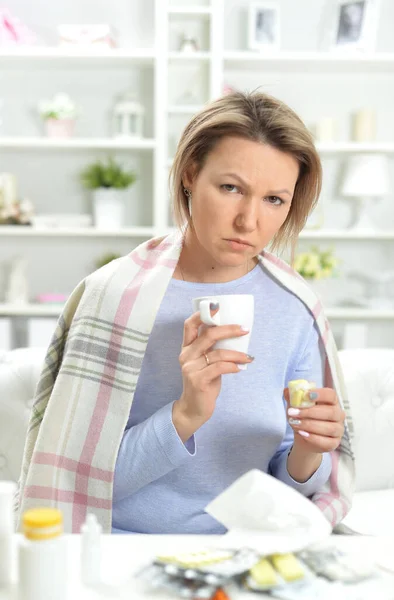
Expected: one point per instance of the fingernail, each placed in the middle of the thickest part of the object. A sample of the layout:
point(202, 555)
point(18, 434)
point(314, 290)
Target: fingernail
point(313, 395)
point(293, 412)
point(244, 329)
point(304, 433)
point(294, 422)
point(250, 357)
point(214, 305)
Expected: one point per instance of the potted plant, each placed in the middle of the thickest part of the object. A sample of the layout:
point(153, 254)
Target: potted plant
point(318, 267)
point(59, 115)
point(108, 181)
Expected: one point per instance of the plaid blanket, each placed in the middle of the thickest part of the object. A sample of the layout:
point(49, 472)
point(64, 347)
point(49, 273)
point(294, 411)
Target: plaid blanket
point(89, 377)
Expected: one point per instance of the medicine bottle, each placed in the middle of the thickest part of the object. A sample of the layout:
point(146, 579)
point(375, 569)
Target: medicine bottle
point(42, 556)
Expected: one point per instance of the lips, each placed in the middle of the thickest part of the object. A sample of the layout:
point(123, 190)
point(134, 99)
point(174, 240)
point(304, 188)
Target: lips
point(239, 241)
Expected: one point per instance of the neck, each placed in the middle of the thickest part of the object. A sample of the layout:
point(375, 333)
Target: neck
point(196, 265)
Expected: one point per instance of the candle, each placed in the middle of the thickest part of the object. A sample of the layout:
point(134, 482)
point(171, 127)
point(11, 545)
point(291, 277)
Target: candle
point(325, 129)
point(364, 126)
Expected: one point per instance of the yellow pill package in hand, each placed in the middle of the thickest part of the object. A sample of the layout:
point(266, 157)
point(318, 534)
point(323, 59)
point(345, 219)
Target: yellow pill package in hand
point(298, 391)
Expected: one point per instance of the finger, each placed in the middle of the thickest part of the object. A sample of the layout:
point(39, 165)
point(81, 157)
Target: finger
point(217, 370)
point(226, 356)
point(324, 428)
point(320, 443)
point(210, 336)
point(323, 396)
point(190, 328)
point(320, 412)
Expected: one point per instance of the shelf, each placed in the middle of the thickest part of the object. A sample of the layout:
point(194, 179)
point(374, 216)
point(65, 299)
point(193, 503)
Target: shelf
point(186, 11)
point(355, 147)
point(77, 143)
point(315, 62)
point(53, 310)
point(189, 56)
point(30, 310)
point(28, 231)
point(346, 234)
point(62, 53)
point(359, 314)
point(184, 109)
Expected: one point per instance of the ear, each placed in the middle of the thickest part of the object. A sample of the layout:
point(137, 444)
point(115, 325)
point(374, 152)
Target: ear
point(189, 176)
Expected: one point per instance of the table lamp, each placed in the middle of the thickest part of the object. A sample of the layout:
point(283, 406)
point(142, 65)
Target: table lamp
point(366, 177)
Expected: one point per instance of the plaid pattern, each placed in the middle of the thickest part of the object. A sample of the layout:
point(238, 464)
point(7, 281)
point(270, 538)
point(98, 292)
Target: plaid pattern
point(87, 384)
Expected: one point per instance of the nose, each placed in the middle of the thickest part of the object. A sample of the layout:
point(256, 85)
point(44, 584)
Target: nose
point(247, 215)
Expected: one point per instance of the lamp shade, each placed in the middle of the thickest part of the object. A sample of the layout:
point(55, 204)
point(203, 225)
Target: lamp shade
point(366, 175)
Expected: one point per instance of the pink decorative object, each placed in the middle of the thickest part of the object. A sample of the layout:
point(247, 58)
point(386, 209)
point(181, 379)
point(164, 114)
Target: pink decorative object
point(13, 32)
point(59, 128)
point(51, 298)
point(101, 35)
point(227, 89)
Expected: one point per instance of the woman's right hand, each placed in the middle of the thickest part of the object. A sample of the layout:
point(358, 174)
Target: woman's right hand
point(201, 377)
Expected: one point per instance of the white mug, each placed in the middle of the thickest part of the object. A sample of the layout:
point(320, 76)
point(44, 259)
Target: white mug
point(234, 309)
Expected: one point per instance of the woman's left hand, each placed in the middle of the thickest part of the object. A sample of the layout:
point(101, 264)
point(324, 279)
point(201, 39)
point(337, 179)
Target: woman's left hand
point(319, 428)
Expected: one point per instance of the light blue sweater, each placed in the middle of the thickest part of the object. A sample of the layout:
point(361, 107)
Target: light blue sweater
point(162, 485)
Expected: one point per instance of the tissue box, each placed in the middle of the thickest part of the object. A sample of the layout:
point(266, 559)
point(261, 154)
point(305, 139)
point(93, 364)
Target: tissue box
point(102, 36)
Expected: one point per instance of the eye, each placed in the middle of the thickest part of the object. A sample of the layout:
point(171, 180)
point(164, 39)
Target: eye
point(229, 187)
point(275, 200)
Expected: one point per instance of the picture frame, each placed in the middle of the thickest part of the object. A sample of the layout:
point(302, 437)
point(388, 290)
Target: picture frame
point(355, 25)
point(264, 26)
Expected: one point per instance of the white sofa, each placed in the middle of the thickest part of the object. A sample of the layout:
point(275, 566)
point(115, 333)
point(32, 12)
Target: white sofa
point(369, 375)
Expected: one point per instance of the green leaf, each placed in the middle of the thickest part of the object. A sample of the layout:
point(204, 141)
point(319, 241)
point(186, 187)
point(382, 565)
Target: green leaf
point(109, 174)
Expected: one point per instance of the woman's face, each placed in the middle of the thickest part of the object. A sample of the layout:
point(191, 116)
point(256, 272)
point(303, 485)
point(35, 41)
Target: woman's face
point(241, 198)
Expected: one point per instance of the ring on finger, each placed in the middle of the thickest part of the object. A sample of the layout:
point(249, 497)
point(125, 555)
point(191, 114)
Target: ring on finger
point(207, 359)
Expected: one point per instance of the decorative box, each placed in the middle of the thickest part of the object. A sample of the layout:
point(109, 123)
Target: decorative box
point(102, 36)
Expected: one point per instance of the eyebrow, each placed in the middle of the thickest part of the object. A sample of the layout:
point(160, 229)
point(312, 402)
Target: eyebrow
point(272, 192)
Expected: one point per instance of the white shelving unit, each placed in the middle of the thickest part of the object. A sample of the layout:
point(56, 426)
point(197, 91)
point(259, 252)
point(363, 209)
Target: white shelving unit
point(187, 57)
point(189, 11)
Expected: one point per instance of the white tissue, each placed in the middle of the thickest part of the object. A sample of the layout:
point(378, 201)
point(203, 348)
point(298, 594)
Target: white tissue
point(262, 513)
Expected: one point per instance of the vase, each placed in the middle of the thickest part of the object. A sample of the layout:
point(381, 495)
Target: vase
point(323, 288)
point(59, 128)
point(109, 208)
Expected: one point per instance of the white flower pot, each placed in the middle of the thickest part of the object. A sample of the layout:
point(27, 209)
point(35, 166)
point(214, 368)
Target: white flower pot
point(109, 208)
point(59, 128)
point(323, 288)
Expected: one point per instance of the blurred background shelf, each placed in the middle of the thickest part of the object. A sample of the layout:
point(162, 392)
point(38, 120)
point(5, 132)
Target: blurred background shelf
point(32, 54)
point(314, 62)
point(27, 231)
point(190, 11)
point(77, 143)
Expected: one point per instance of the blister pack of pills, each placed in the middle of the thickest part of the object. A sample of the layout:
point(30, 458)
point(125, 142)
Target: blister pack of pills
point(337, 566)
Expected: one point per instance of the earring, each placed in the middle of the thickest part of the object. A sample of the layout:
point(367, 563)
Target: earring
point(188, 194)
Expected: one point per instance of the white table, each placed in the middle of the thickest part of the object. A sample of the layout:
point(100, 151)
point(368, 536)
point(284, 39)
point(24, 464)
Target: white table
point(124, 555)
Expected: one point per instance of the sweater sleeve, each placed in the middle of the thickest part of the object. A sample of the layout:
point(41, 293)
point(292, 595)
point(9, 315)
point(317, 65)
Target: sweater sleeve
point(310, 367)
point(148, 451)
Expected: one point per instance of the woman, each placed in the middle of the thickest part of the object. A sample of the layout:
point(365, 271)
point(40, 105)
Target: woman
point(136, 417)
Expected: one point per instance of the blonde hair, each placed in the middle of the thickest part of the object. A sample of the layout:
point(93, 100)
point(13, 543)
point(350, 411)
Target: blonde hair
point(261, 118)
